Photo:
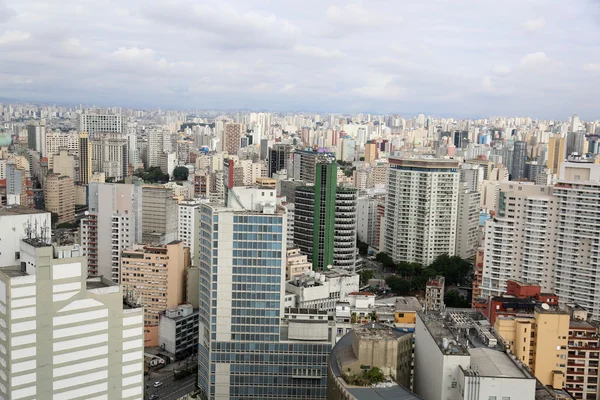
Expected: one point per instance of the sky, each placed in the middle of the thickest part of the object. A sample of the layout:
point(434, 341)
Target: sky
point(461, 58)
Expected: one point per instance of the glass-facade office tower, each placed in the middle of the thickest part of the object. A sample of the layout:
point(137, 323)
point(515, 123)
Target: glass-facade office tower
point(245, 350)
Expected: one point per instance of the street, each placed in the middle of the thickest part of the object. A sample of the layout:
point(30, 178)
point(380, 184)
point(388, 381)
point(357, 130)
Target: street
point(170, 389)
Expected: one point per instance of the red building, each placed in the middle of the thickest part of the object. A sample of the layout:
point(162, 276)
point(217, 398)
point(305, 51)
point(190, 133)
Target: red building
point(520, 298)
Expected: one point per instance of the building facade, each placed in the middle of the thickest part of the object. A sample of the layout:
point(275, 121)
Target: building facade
point(59, 194)
point(159, 215)
point(244, 352)
point(421, 210)
point(154, 277)
point(66, 336)
point(113, 224)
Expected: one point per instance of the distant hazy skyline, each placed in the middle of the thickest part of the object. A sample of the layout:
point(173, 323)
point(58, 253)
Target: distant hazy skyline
point(466, 58)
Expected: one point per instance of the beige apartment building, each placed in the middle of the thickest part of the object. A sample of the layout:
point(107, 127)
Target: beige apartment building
point(297, 264)
point(60, 197)
point(154, 276)
point(159, 215)
point(64, 335)
point(539, 341)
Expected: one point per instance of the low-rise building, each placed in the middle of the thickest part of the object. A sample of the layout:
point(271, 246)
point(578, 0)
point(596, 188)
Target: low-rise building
point(178, 330)
point(297, 264)
point(371, 351)
point(322, 290)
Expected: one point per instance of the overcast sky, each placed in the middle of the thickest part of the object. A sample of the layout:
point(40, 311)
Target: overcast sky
point(464, 58)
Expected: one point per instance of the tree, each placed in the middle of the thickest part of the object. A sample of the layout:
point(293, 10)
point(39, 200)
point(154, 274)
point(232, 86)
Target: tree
point(385, 260)
point(365, 275)
point(152, 175)
point(453, 268)
point(361, 159)
point(53, 218)
point(363, 248)
point(398, 285)
point(455, 300)
point(180, 173)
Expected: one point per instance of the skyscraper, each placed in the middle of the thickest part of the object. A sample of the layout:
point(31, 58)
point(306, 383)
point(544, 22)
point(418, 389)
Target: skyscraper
point(280, 157)
point(92, 123)
point(113, 223)
point(159, 215)
point(325, 220)
point(85, 158)
point(519, 158)
point(421, 210)
point(246, 348)
point(110, 155)
point(36, 137)
point(59, 194)
point(67, 336)
point(232, 136)
point(557, 153)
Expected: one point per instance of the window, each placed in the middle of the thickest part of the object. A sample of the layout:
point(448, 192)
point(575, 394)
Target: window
point(492, 398)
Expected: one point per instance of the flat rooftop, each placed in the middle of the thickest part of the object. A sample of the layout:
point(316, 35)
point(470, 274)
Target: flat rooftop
point(438, 330)
point(13, 272)
point(19, 210)
point(490, 362)
point(98, 282)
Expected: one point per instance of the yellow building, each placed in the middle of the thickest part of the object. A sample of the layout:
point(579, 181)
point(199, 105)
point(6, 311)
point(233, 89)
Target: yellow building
point(557, 153)
point(539, 341)
point(370, 152)
point(154, 276)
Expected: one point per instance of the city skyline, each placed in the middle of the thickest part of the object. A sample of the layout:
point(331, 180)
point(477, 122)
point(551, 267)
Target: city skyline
point(443, 58)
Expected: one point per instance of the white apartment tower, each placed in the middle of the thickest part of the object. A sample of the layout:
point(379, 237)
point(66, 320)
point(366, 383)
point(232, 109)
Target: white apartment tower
point(64, 335)
point(93, 123)
point(113, 224)
point(467, 222)
point(159, 141)
point(421, 210)
point(548, 235)
point(187, 223)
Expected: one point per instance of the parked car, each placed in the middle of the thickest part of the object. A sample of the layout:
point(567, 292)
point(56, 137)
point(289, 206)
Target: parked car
point(157, 384)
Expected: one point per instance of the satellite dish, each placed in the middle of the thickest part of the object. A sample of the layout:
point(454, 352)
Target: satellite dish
point(87, 213)
point(329, 266)
point(545, 306)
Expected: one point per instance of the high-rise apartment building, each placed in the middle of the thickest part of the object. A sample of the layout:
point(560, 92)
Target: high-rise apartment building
point(368, 220)
point(232, 136)
point(93, 123)
point(246, 349)
point(113, 224)
point(159, 215)
point(57, 141)
point(65, 335)
point(467, 223)
point(110, 155)
point(519, 156)
point(546, 235)
point(325, 220)
point(305, 163)
point(421, 210)
point(85, 158)
point(64, 163)
point(59, 195)
point(557, 153)
point(280, 157)
point(370, 152)
point(154, 277)
point(36, 137)
point(539, 341)
point(187, 223)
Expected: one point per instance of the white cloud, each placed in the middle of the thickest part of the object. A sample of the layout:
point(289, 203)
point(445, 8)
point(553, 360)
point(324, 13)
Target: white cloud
point(318, 52)
point(534, 60)
point(351, 14)
point(501, 70)
point(536, 24)
point(13, 36)
point(6, 13)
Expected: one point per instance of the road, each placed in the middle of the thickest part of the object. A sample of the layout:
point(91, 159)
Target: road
point(170, 389)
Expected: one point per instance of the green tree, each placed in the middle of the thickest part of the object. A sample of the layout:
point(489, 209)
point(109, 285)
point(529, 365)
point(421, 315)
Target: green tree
point(180, 173)
point(363, 248)
point(53, 218)
point(375, 375)
point(453, 268)
point(455, 300)
point(385, 260)
point(398, 285)
point(152, 175)
point(365, 276)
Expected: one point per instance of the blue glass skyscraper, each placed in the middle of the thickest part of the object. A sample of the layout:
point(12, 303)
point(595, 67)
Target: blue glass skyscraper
point(244, 351)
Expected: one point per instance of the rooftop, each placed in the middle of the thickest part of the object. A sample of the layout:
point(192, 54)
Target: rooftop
point(490, 362)
point(98, 282)
point(343, 352)
point(19, 210)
